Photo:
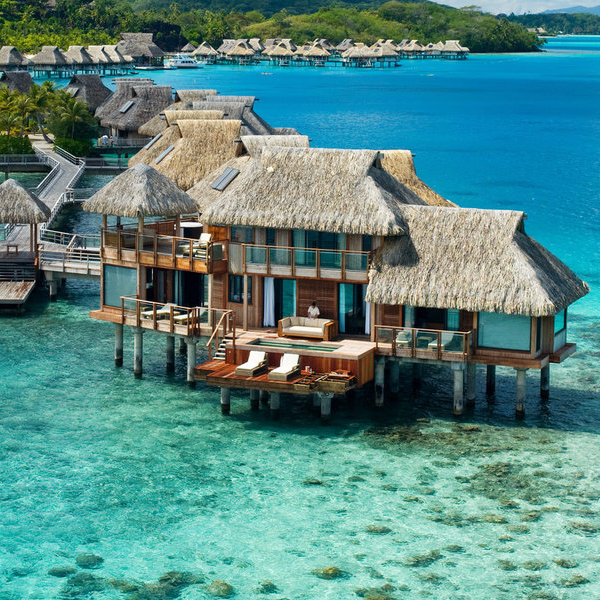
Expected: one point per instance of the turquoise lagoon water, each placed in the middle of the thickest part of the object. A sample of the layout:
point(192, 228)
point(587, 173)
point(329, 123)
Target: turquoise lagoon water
point(406, 502)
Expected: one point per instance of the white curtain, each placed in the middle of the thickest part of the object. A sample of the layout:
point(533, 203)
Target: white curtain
point(268, 302)
point(367, 309)
point(343, 308)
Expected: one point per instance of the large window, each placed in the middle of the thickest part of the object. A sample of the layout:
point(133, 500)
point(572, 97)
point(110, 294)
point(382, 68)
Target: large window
point(118, 281)
point(236, 289)
point(509, 332)
point(560, 321)
point(242, 235)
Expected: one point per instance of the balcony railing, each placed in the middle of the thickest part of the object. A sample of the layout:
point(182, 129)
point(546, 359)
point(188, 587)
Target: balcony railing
point(166, 251)
point(300, 262)
point(179, 320)
point(432, 344)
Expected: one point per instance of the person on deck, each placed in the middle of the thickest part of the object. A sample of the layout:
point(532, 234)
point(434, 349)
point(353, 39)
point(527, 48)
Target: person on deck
point(313, 311)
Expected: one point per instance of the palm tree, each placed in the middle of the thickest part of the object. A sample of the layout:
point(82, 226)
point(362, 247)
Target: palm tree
point(70, 112)
point(24, 109)
point(42, 97)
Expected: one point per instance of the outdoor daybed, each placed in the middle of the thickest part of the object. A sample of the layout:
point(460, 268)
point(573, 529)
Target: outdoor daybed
point(257, 362)
point(310, 328)
point(288, 367)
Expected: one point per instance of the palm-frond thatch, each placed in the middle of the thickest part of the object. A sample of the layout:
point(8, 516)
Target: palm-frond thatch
point(475, 260)
point(49, 56)
point(16, 81)
point(140, 192)
point(88, 88)
point(78, 55)
point(99, 55)
point(205, 49)
point(189, 96)
point(255, 144)
point(20, 206)
point(400, 164)
point(340, 191)
point(139, 45)
point(11, 58)
point(189, 48)
point(116, 57)
point(174, 116)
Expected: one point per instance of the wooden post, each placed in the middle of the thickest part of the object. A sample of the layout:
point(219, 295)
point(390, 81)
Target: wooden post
point(417, 372)
point(170, 353)
point(264, 397)
point(458, 369)
point(275, 404)
point(490, 381)
point(394, 373)
point(254, 399)
point(182, 346)
point(545, 382)
point(53, 288)
point(325, 407)
point(379, 380)
point(191, 361)
point(138, 351)
point(245, 307)
point(225, 401)
point(521, 391)
point(471, 382)
point(104, 221)
point(118, 344)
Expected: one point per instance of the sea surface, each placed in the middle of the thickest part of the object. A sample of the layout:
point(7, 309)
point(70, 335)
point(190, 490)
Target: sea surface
point(407, 502)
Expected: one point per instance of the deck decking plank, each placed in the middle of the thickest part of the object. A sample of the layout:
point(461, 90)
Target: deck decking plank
point(15, 292)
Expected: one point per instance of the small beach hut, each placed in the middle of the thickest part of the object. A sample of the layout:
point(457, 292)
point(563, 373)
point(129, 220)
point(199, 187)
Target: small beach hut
point(16, 81)
point(12, 59)
point(206, 52)
point(189, 48)
point(89, 89)
point(19, 206)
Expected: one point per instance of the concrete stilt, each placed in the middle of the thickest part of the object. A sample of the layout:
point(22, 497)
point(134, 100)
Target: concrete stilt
point(118, 344)
point(490, 380)
point(521, 391)
point(170, 353)
point(53, 287)
point(191, 361)
point(254, 399)
point(545, 382)
point(275, 404)
point(394, 374)
point(182, 346)
point(325, 401)
point(138, 351)
point(379, 380)
point(471, 383)
point(417, 373)
point(458, 369)
point(264, 397)
point(225, 401)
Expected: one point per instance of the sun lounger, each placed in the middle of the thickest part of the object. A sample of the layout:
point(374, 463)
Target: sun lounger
point(288, 367)
point(447, 337)
point(257, 362)
point(161, 313)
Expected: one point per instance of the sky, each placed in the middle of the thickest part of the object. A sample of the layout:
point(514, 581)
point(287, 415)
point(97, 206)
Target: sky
point(520, 6)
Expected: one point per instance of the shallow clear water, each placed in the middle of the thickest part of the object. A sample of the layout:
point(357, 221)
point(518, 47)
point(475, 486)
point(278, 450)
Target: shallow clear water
point(148, 475)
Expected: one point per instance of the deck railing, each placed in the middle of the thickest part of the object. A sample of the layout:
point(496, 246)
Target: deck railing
point(433, 344)
point(301, 262)
point(163, 250)
point(70, 260)
point(180, 320)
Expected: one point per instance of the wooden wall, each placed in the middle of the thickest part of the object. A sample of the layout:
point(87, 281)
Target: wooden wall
point(323, 292)
point(389, 315)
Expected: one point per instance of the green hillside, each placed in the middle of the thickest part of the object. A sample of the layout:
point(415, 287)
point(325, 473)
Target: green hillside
point(570, 23)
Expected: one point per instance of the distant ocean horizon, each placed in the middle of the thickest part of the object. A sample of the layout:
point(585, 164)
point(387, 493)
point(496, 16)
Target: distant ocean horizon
point(406, 502)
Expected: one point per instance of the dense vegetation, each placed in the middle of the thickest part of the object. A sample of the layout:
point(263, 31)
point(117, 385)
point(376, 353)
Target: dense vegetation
point(571, 23)
point(31, 25)
point(45, 108)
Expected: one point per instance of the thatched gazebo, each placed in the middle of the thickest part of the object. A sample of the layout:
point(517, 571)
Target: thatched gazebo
point(19, 206)
point(11, 58)
point(140, 192)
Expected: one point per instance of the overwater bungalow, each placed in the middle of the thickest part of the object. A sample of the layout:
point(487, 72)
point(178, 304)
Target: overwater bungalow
point(452, 49)
point(241, 53)
point(206, 53)
point(358, 55)
point(189, 48)
point(398, 273)
point(12, 60)
point(141, 48)
point(50, 61)
point(80, 59)
point(117, 58)
point(256, 45)
point(16, 81)
point(89, 89)
point(132, 104)
point(344, 45)
point(315, 55)
point(413, 49)
point(280, 55)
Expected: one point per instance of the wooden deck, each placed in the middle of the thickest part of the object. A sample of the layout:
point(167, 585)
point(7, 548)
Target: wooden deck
point(15, 292)
point(221, 374)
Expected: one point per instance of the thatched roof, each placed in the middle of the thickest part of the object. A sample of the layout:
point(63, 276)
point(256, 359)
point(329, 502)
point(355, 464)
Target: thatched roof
point(226, 45)
point(413, 46)
point(49, 56)
point(116, 56)
point(99, 55)
point(320, 189)
point(242, 48)
point(475, 260)
point(11, 57)
point(345, 45)
point(452, 46)
point(190, 96)
point(78, 55)
point(189, 47)
point(147, 100)
point(255, 144)
point(400, 164)
point(359, 51)
point(279, 51)
point(317, 52)
point(89, 89)
point(175, 116)
point(205, 49)
point(159, 123)
point(138, 45)
point(140, 192)
point(201, 147)
point(20, 206)
point(16, 81)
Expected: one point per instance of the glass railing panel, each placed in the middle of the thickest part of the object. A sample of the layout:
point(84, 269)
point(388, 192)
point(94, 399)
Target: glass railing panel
point(305, 258)
point(356, 261)
point(128, 240)
point(280, 256)
point(403, 339)
point(164, 245)
point(385, 335)
point(452, 342)
point(256, 255)
point(330, 259)
point(426, 340)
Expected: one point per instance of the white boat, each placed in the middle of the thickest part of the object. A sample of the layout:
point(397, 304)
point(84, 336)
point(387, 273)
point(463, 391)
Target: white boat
point(183, 61)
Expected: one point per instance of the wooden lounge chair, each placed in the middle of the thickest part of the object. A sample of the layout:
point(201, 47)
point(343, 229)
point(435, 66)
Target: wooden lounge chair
point(288, 367)
point(257, 362)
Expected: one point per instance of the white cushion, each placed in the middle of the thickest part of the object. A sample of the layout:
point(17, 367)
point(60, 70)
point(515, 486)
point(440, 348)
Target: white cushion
point(300, 330)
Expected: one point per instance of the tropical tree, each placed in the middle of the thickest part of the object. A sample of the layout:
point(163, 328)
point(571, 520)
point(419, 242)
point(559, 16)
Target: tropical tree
point(42, 97)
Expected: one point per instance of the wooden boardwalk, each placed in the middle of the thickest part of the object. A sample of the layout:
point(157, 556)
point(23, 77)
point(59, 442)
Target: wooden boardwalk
point(15, 292)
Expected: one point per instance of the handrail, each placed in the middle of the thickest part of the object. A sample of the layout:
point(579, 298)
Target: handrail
point(215, 332)
point(20, 159)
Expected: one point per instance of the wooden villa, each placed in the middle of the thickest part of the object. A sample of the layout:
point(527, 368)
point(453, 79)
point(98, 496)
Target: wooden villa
point(89, 89)
point(399, 274)
point(141, 48)
point(12, 60)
